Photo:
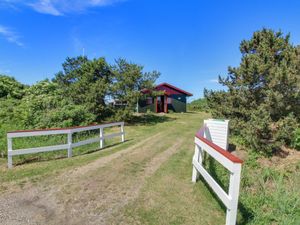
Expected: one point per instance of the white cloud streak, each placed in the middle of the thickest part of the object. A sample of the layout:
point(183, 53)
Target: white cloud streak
point(46, 7)
point(59, 7)
point(10, 35)
point(214, 81)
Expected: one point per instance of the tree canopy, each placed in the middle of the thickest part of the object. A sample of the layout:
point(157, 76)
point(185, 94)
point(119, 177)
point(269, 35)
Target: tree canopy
point(10, 87)
point(262, 96)
point(79, 94)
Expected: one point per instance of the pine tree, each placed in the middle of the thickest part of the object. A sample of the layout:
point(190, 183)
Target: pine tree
point(262, 91)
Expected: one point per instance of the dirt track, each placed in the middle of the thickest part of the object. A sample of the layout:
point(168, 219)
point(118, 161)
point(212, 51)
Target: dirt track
point(92, 194)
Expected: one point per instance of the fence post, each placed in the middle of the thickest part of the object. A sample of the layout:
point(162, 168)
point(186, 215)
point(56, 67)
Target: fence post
point(101, 137)
point(123, 133)
point(9, 150)
point(234, 186)
point(70, 144)
point(198, 158)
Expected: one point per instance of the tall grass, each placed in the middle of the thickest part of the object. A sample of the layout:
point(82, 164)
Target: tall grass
point(269, 195)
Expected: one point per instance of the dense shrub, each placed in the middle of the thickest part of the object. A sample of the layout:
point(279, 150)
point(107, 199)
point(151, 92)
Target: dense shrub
point(296, 139)
point(78, 95)
point(198, 105)
point(262, 96)
point(285, 129)
point(11, 88)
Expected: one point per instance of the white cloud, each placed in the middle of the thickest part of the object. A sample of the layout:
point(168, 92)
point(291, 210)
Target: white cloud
point(10, 35)
point(214, 81)
point(45, 6)
point(59, 7)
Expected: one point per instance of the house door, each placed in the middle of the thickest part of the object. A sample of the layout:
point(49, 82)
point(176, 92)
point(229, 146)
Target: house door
point(160, 104)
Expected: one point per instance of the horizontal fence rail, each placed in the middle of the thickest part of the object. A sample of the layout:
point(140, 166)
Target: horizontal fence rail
point(203, 143)
point(54, 131)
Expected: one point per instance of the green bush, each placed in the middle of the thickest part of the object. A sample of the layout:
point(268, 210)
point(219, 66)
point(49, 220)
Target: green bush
point(257, 133)
point(11, 88)
point(198, 105)
point(261, 95)
point(296, 139)
point(285, 129)
point(78, 95)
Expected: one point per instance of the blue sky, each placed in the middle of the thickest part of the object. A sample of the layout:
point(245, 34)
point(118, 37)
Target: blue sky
point(190, 42)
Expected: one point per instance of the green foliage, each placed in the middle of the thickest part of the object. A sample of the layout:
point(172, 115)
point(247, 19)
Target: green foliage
point(285, 129)
point(262, 92)
point(129, 80)
point(296, 139)
point(269, 196)
point(198, 105)
point(78, 95)
point(10, 88)
point(86, 82)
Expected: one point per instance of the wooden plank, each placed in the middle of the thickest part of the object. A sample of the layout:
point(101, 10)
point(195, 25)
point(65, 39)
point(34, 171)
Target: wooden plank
point(66, 128)
point(28, 133)
point(113, 124)
point(9, 149)
point(70, 152)
point(101, 137)
point(37, 133)
point(234, 189)
point(215, 148)
point(85, 142)
point(80, 129)
point(55, 131)
point(213, 184)
point(37, 150)
point(123, 133)
point(227, 163)
point(108, 136)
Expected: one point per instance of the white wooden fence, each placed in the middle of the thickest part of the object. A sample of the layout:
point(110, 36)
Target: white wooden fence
point(204, 143)
point(68, 146)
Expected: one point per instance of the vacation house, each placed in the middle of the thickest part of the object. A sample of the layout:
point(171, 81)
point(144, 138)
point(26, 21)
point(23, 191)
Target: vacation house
point(171, 99)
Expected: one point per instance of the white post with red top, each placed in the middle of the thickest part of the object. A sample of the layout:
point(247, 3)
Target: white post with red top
point(204, 143)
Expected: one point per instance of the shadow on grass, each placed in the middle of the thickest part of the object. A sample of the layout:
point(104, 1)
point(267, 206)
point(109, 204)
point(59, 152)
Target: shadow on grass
point(149, 119)
point(40, 158)
point(214, 169)
point(231, 147)
point(246, 214)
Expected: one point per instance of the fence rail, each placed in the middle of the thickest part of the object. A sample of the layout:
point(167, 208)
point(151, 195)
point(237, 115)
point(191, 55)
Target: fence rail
point(232, 163)
point(69, 131)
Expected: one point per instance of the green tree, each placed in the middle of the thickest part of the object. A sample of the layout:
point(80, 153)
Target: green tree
point(11, 88)
point(263, 90)
point(45, 105)
point(198, 105)
point(87, 83)
point(129, 80)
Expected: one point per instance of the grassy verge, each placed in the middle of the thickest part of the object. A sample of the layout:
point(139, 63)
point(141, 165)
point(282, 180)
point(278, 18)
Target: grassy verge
point(269, 193)
point(169, 196)
point(36, 166)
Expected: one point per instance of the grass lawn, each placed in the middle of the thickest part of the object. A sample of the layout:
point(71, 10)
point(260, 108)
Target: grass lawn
point(146, 180)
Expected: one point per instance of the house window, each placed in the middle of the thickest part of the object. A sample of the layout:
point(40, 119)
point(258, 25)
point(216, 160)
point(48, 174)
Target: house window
point(149, 101)
point(169, 100)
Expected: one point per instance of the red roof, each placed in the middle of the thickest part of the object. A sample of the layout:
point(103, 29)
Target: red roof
point(169, 89)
